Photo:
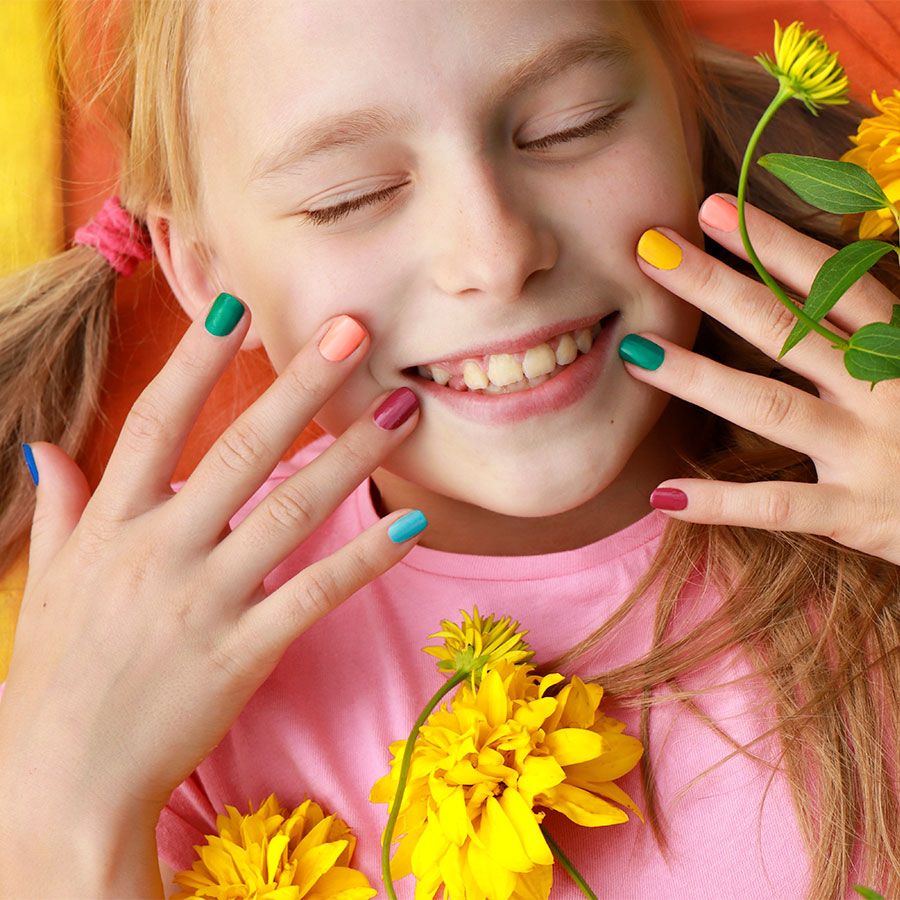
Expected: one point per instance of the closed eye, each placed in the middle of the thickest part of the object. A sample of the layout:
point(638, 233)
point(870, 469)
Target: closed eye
point(330, 214)
point(600, 125)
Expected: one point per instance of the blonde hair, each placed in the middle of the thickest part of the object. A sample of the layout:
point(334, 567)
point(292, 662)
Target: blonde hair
point(820, 622)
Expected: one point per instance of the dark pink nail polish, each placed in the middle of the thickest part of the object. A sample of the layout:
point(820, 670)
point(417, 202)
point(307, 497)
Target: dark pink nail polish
point(396, 409)
point(668, 498)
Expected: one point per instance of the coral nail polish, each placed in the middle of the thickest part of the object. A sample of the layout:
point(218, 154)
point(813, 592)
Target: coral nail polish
point(341, 339)
point(718, 213)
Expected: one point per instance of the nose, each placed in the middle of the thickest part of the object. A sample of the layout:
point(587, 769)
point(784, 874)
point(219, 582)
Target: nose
point(490, 239)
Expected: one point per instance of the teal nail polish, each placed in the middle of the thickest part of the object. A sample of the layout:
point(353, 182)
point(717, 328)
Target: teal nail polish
point(224, 315)
point(407, 527)
point(638, 350)
point(29, 461)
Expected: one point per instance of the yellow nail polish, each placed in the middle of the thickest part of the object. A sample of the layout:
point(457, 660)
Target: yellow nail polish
point(658, 250)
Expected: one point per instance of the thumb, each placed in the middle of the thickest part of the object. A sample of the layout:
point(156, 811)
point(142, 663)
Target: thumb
point(62, 494)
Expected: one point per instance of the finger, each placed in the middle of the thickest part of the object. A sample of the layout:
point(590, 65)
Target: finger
point(782, 413)
point(794, 259)
point(742, 304)
point(247, 451)
point(62, 494)
point(294, 509)
point(140, 469)
point(770, 505)
point(270, 626)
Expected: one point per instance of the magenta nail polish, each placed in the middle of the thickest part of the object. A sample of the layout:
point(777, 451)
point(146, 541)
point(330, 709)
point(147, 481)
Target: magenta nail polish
point(668, 498)
point(396, 409)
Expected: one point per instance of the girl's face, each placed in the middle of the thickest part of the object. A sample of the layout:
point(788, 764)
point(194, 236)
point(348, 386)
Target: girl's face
point(469, 180)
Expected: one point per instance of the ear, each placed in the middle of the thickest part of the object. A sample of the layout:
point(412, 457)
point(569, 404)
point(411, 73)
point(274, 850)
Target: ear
point(188, 268)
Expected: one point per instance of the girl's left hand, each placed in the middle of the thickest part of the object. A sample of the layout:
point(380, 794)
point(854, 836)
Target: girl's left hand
point(851, 433)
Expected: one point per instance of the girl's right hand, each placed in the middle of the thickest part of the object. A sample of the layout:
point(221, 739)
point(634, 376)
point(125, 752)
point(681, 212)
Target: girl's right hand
point(145, 628)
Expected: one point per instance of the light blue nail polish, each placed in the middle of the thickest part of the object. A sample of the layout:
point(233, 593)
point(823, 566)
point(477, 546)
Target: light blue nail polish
point(29, 461)
point(407, 527)
point(641, 352)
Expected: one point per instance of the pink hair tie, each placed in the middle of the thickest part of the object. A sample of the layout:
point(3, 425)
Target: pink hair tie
point(118, 237)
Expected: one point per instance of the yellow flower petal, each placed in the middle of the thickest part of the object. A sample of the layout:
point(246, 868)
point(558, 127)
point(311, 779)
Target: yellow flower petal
point(523, 819)
point(453, 817)
point(574, 745)
point(258, 856)
point(342, 883)
point(501, 840)
point(316, 862)
point(584, 808)
point(430, 847)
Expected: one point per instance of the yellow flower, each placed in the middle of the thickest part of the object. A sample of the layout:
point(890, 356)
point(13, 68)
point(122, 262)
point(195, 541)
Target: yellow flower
point(877, 150)
point(806, 67)
point(272, 854)
point(480, 767)
point(478, 642)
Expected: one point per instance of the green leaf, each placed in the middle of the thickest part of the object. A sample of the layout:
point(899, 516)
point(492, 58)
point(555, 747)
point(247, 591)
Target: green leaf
point(837, 274)
point(895, 314)
point(868, 893)
point(836, 187)
point(873, 353)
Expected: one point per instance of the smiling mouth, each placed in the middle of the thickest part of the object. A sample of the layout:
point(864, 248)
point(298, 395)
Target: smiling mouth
point(506, 373)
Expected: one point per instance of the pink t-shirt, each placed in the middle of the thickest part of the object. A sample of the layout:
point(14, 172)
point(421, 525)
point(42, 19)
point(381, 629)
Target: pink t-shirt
point(321, 725)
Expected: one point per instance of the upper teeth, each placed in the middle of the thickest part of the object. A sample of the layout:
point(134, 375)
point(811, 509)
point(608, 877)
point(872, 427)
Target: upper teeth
point(513, 370)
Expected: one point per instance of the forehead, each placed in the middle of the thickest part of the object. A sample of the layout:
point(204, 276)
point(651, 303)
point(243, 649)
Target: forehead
point(265, 67)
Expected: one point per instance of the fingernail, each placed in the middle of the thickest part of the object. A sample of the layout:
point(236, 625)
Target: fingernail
point(668, 498)
point(29, 461)
point(641, 352)
point(658, 250)
point(224, 315)
point(396, 409)
point(341, 339)
point(407, 527)
point(718, 213)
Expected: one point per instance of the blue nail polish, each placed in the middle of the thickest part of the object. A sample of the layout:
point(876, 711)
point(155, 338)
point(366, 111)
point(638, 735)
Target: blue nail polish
point(29, 461)
point(407, 527)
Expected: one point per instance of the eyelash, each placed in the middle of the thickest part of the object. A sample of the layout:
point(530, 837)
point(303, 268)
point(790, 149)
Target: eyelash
point(330, 214)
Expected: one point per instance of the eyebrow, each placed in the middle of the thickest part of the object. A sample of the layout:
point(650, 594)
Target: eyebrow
point(360, 126)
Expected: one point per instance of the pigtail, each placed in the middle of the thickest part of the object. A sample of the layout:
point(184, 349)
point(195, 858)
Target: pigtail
point(54, 335)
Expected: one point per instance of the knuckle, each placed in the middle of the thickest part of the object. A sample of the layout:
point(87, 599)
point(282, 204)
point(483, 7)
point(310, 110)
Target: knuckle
point(190, 365)
point(708, 276)
point(291, 508)
point(773, 406)
point(300, 383)
point(318, 595)
point(775, 323)
point(145, 423)
point(777, 508)
point(241, 447)
point(357, 455)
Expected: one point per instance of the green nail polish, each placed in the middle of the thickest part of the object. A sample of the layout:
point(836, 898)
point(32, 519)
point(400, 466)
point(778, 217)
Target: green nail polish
point(226, 312)
point(638, 350)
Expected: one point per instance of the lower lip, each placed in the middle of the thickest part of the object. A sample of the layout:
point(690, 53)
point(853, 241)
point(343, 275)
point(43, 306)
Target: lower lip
point(564, 389)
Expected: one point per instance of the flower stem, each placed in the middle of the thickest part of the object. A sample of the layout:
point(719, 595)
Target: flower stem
point(784, 94)
point(566, 863)
point(404, 774)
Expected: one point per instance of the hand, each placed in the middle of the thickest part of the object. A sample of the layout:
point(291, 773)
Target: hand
point(144, 628)
point(851, 433)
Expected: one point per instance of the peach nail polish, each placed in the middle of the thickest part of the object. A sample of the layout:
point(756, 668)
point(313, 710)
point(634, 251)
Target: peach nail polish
point(718, 213)
point(341, 339)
